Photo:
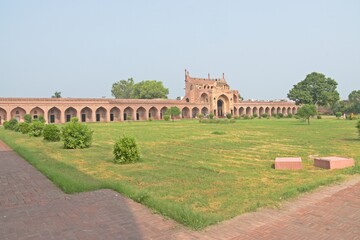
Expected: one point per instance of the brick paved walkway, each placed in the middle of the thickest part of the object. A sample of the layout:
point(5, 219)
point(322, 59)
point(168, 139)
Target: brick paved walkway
point(31, 207)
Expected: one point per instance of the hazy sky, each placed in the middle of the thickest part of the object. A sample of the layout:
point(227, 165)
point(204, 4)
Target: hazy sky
point(264, 47)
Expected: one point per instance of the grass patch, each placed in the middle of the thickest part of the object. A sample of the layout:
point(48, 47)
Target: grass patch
point(195, 173)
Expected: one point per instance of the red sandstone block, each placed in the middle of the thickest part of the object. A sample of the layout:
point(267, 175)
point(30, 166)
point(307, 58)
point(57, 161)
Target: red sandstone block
point(333, 162)
point(292, 163)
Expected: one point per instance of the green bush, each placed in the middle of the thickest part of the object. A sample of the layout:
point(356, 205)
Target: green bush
point(289, 115)
point(318, 117)
point(255, 115)
point(166, 117)
point(51, 133)
point(264, 115)
point(41, 119)
point(27, 118)
point(36, 129)
point(11, 125)
point(200, 116)
point(76, 135)
point(358, 126)
point(280, 115)
point(228, 115)
point(338, 114)
point(126, 150)
point(246, 117)
point(24, 127)
point(211, 116)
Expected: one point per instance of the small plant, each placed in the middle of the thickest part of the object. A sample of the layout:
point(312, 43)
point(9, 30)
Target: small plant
point(128, 118)
point(218, 133)
point(318, 117)
point(11, 125)
point(255, 115)
point(51, 133)
point(27, 118)
point(36, 128)
point(167, 117)
point(264, 115)
point(228, 115)
point(150, 119)
point(211, 116)
point(200, 116)
point(126, 150)
point(76, 135)
point(246, 117)
point(338, 115)
point(41, 119)
point(289, 115)
point(24, 127)
point(280, 115)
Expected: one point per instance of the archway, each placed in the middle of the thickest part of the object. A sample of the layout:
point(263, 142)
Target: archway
point(241, 111)
point(70, 113)
point(267, 111)
point(3, 115)
point(255, 111)
point(248, 111)
point(223, 106)
point(205, 111)
point(204, 98)
point(128, 113)
point(185, 112)
point(54, 115)
point(261, 111)
point(86, 114)
point(273, 111)
point(236, 113)
point(283, 111)
point(141, 114)
point(18, 113)
point(153, 113)
point(101, 114)
point(278, 110)
point(36, 113)
point(236, 98)
point(162, 112)
point(115, 114)
point(194, 112)
point(294, 110)
point(289, 111)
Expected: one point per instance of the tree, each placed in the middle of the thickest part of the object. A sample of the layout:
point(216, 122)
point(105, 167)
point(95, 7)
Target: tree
point(173, 112)
point(150, 89)
point(307, 111)
point(56, 95)
point(340, 106)
point(354, 101)
point(123, 88)
point(315, 89)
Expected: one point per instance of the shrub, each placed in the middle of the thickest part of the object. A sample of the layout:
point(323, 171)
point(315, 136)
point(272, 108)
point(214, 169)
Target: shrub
point(126, 150)
point(51, 133)
point(200, 116)
point(76, 135)
point(338, 115)
point(211, 116)
point(264, 115)
point(11, 125)
point(27, 118)
point(318, 117)
point(36, 128)
point(246, 117)
point(24, 127)
point(255, 115)
point(289, 115)
point(167, 117)
point(41, 119)
point(280, 115)
point(358, 127)
point(228, 115)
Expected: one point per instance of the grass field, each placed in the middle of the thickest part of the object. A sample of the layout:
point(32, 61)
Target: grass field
point(199, 174)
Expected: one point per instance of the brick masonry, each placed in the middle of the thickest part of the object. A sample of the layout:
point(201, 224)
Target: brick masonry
point(333, 162)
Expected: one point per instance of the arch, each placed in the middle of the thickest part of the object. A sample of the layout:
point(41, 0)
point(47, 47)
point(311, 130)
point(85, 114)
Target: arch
point(205, 111)
point(128, 113)
point(154, 113)
point(294, 110)
point(54, 115)
point(36, 112)
point(248, 111)
point(204, 98)
point(185, 112)
point(236, 98)
point(261, 111)
point(223, 105)
point(162, 112)
point(283, 111)
point(273, 111)
point(70, 112)
point(187, 100)
point(241, 111)
point(236, 113)
point(194, 112)
point(141, 114)
point(86, 115)
point(278, 110)
point(18, 113)
point(115, 114)
point(255, 111)
point(288, 111)
point(100, 114)
point(3, 116)
point(267, 111)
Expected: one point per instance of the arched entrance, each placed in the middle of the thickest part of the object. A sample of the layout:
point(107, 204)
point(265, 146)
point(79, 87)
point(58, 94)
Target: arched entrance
point(2, 116)
point(223, 106)
point(220, 110)
point(54, 115)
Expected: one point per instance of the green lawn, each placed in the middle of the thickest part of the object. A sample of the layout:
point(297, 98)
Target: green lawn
point(199, 174)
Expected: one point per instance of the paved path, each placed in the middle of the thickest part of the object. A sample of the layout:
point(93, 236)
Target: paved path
point(31, 207)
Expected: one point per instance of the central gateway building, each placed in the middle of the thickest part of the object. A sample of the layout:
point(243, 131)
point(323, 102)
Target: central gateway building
point(202, 96)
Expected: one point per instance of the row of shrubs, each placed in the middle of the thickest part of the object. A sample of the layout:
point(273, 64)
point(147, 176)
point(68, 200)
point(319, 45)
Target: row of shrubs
point(73, 134)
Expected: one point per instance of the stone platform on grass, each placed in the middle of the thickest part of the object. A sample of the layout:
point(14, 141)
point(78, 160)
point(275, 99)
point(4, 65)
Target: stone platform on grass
point(333, 162)
point(292, 163)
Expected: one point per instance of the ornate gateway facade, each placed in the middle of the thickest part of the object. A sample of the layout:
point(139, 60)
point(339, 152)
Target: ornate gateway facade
point(202, 96)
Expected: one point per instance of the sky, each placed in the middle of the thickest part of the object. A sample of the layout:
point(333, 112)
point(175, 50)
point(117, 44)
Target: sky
point(81, 48)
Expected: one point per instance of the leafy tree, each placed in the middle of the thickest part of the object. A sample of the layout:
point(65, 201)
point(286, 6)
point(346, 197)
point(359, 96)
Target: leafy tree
point(315, 89)
point(307, 111)
point(354, 101)
point(150, 89)
point(173, 112)
point(123, 89)
point(338, 115)
point(340, 106)
point(56, 95)
point(27, 118)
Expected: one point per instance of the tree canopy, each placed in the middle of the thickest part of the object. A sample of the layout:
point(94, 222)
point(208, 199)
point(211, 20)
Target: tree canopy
point(56, 95)
point(148, 89)
point(354, 101)
point(173, 112)
point(123, 88)
point(307, 111)
point(316, 89)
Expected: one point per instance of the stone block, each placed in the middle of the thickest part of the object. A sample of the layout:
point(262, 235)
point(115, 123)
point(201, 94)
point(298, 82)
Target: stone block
point(333, 162)
point(292, 163)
